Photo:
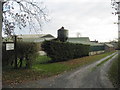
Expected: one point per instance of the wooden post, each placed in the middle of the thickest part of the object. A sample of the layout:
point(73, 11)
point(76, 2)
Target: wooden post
point(15, 47)
point(1, 45)
point(119, 41)
point(118, 21)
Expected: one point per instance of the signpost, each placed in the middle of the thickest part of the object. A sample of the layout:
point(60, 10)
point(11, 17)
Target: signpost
point(15, 46)
point(9, 46)
point(0, 45)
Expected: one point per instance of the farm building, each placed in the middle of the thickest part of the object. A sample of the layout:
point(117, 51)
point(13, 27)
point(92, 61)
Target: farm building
point(95, 48)
point(112, 44)
point(109, 47)
point(82, 40)
point(36, 37)
point(31, 37)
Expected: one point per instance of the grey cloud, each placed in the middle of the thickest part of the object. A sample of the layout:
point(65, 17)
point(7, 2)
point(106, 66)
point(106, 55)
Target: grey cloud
point(90, 18)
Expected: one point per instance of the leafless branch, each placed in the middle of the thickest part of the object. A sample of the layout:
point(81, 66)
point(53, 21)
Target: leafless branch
point(28, 14)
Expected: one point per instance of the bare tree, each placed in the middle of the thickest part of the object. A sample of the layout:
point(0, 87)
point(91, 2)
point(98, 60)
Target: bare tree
point(78, 34)
point(22, 13)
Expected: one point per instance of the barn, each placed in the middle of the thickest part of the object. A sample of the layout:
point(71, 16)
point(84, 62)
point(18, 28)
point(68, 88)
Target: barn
point(95, 48)
point(35, 37)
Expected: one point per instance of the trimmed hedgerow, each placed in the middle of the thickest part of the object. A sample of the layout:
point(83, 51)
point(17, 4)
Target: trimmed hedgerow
point(26, 52)
point(61, 51)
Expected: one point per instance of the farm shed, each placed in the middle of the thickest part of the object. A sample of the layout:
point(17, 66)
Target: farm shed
point(82, 40)
point(95, 48)
point(36, 37)
point(109, 47)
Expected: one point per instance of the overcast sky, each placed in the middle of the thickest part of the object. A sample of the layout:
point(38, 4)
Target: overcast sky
point(91, 18)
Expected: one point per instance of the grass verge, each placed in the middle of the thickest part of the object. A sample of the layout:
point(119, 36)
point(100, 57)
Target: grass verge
point(94, 68)
point(38, 71)
point(104, 61)
point(114, 72)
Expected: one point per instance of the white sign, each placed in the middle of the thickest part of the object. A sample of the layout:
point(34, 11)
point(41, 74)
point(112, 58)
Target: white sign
point(9, 46)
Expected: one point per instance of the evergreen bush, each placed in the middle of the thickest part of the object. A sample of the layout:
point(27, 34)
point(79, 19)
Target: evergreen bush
point(26, 51)
point(61, 51)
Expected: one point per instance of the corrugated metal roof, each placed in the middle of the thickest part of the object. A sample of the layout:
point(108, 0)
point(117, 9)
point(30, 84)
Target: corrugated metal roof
point(36, 37)
point(109, 45)
point(83, 40)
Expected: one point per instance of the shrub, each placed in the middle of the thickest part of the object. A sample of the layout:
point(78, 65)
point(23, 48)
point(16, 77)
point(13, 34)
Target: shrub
point(60, 51)
point(25, 51)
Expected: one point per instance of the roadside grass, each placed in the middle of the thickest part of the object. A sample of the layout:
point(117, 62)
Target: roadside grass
point(42, 59)
point(114, 72)
point(85, 60)
point(38, 70)
point(104, 61)
point(50, 69)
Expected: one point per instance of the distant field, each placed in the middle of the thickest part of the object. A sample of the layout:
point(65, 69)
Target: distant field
point(39, 70)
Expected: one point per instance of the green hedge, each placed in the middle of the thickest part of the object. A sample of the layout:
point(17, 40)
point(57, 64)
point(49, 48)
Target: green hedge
point(26, 52)
point(27, 48)
point(60, 51)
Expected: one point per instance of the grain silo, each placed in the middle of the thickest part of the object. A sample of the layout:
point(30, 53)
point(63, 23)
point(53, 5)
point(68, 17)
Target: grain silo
point(62, 34)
